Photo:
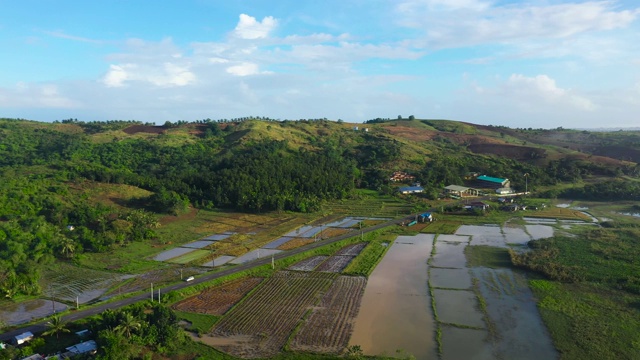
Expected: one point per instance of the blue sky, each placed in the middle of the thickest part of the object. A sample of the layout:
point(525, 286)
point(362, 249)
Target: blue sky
point(537, 63)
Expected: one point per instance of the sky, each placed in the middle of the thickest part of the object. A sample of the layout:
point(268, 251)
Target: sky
point(537, 63)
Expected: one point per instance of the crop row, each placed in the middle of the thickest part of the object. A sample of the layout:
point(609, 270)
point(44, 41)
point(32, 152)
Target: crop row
point(272, 311)
point(308, 264)
point(335, 264)
point(219, 299)
point(329, 327)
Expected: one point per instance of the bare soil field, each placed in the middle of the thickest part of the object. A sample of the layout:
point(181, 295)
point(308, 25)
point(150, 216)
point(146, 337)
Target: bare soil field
point(219, 299)
point(335, 264)
point(308, 264)
point(329, 327)
point(270, 314)
point(134, 129)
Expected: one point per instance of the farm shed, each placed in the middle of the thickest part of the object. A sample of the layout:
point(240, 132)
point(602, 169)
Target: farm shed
point(23, 338)
point(83, 348)
point(426, 217)
point(492, 182)
point(477, 205)
point(460, 190)
point(504, 191)
point(411, 189)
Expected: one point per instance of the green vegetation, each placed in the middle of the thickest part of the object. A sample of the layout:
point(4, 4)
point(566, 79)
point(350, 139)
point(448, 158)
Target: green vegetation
point(588, 321)
point(442, 227)
point(371, 255)
point(199, 323)
point(590, 302)
point(487, 256)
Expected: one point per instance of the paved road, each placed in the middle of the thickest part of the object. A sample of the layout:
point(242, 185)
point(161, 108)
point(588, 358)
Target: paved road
point(97, 309)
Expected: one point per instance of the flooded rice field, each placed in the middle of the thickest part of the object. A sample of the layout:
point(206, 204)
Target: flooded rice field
point(480, 313)
point(19, 313)
point(395, 312)
point(219, 261)
point(489, 235)
point(254, 255)
point(510, 306)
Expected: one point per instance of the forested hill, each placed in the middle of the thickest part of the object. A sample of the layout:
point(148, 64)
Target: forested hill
point(48, 170)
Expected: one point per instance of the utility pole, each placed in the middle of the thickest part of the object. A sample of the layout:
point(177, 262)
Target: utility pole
point(526, 183)
point(151, 292)
point(273, 262)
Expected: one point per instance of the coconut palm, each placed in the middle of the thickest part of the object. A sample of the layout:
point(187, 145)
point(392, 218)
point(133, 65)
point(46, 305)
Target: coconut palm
point(56, 326)
point(128, 324)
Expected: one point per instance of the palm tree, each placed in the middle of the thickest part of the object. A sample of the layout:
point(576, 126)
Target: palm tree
point(128, 324)
point(56, 326)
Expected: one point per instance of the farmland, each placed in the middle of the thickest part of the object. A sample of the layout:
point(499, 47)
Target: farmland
point(329, 327)
point(217, 300)
point(271, 313)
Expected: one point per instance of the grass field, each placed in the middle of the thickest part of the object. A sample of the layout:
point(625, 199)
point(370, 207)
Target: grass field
point(189, 257)
point(589, 299)
point(442, 227)
point(199, 323)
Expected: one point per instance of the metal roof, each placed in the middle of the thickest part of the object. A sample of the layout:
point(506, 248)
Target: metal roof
point(491, 179)
point(411, 188)
point(456, 188)
point(83, 347)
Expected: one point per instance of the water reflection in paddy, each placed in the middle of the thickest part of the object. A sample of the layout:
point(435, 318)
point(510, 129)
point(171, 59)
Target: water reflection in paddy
point(395, 311)
point(19, 313)
point(449, 278)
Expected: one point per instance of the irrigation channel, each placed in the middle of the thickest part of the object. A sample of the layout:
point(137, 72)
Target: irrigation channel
point(99, 308)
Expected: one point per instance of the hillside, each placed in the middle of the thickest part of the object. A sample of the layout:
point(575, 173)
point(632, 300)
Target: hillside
point(73, 187)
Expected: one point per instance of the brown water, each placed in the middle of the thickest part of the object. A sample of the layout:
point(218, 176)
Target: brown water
point(459, 307)
point(450, 278)
point(395, 312)
point(511, 307)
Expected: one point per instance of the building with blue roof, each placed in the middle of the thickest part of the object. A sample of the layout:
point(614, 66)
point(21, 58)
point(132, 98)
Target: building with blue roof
point(411, 189)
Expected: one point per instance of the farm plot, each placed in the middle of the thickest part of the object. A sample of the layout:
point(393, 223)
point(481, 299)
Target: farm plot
point(352, 250)
point(197, 244)
point(270, 314)
point(332, 232)
point(335, 264)
point(219, 299)
point(218, 237)
point(329, 327)
point(295, 243)
point(67, 282)
point(308, 264)
point(189, 257)
point(278, 242)
point(172, 253)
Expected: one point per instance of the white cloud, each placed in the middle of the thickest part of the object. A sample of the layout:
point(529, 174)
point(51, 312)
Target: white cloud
point(117, 75)
point(468, 22)
point(543, 89)
point(36, 96)
point(243, 69)
point(164, 75)
point(249, 28)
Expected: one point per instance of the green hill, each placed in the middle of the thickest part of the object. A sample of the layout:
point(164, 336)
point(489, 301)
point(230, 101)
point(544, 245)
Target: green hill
point(111, 181)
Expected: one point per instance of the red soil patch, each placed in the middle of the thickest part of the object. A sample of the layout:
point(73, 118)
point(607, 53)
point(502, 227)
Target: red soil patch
point(509, 151)
point(218, 300)
point(144, 129)
point(171, 218)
